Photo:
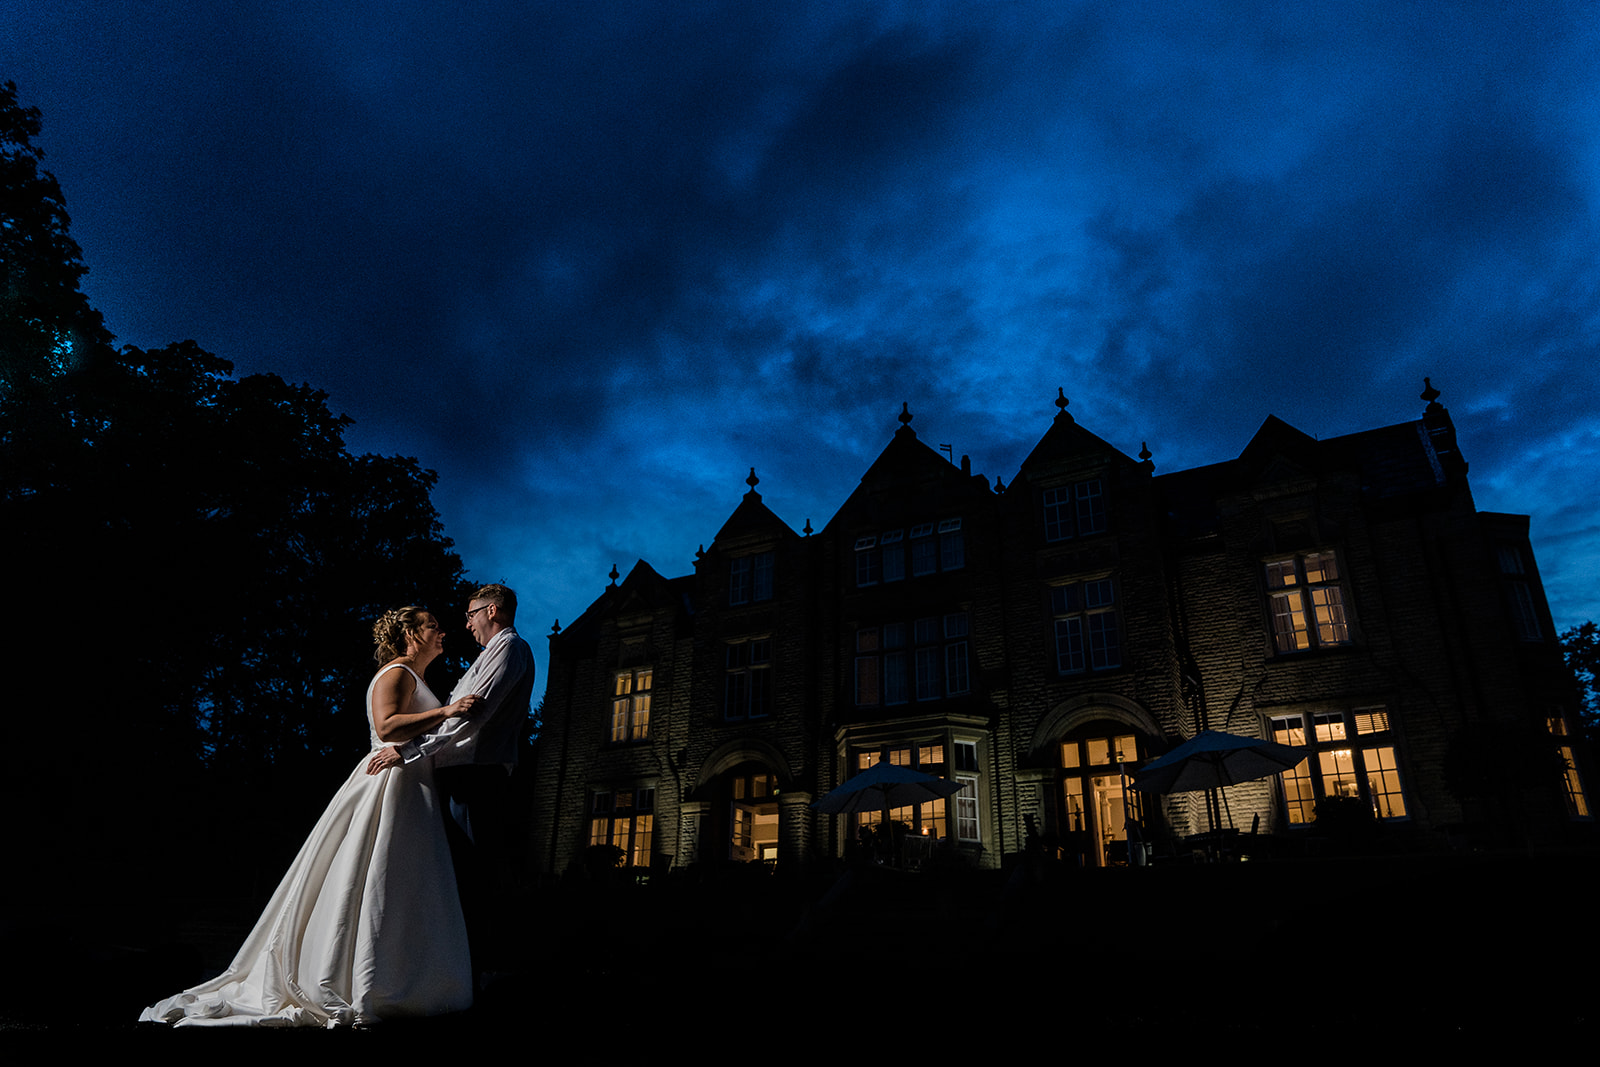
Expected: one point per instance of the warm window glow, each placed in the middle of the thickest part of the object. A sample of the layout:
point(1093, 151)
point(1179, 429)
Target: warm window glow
point(624, 819)
point(1309, 609)
point(1371, 720)
point(1338, 771)
point(1383, 783)
point(1571, 781)
point(1101, 805)
point(630, 706)
point(1298, 793)
point(927, 820)
point(1577, 802)
point(1338, 767)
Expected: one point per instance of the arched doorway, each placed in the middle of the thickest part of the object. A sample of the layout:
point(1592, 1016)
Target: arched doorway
point(1098, 811)
point(1093, 743)
point(752, 814)
point(744, 786)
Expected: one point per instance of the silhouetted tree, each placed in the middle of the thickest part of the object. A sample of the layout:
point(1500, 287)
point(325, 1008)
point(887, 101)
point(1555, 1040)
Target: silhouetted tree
point(46, 323)
point(1580, 647)
point(195, 561)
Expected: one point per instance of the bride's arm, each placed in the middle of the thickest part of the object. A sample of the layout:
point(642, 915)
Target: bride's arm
point(391, 701)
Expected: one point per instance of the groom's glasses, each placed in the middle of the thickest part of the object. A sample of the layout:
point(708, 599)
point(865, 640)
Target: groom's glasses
point(474, 611)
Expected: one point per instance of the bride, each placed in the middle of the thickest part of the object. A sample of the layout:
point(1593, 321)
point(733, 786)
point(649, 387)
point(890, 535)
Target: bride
point(367, 924)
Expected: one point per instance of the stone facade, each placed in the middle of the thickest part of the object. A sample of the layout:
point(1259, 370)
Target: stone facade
point(1037, 641)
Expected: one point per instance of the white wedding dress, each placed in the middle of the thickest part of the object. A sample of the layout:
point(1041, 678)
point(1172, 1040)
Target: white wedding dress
point(365, 926)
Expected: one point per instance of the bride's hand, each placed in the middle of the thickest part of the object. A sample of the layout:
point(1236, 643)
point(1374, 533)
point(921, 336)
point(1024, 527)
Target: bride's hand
point(382, 760)
point(463, 707)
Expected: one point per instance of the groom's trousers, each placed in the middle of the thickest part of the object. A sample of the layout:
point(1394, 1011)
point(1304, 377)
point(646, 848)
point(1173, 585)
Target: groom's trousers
point(483, 861)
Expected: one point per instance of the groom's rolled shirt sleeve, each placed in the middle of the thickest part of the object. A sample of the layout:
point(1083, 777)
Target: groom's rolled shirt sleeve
point(493, 677)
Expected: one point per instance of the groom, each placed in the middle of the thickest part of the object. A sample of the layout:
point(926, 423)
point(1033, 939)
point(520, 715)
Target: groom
point(473, 759)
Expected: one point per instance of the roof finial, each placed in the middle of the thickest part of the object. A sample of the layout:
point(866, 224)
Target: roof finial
point(556, 627)
point(1145, 454)
point(1431, 395)
point(1061, 405)
point(615, 574)
point(808, 526)
point(905, 420)
point(752, 482)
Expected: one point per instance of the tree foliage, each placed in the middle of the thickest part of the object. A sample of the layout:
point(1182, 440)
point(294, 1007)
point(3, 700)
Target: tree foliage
point(197, 558)
point(46, 323)
point(1580, 647)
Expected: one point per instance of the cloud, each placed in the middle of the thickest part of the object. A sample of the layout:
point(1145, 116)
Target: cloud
point(594, 264)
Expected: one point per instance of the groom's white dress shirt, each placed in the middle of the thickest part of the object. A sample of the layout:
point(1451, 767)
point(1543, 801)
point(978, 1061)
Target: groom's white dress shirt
point(502, 677)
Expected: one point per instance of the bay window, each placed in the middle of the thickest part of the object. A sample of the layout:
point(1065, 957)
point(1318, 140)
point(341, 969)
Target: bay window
point(1352, 755)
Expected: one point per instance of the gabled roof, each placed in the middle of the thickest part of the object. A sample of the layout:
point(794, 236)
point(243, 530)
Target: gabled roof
point(642, 591)
point(907, 468)
point(1278, 453)
point(752, 520)
point(1065, 441)
point(1390, 461)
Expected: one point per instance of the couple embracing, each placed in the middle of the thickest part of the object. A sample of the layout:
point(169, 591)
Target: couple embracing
point(368, 923)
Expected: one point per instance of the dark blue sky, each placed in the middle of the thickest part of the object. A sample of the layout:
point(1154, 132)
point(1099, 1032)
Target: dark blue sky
point(593, 261)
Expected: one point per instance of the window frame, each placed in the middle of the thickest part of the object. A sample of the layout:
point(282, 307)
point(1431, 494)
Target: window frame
point(1074, 509)
point(629, 722)
point(1355, 746)
point(639, 833)
point(750, 578)
point(752, 677)
point(1086, 638)
point(929, 659)
point(1317, 611)
point(1574, 794)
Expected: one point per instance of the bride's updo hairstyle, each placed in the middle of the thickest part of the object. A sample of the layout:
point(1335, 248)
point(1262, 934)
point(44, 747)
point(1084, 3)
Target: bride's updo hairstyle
point(389, 633)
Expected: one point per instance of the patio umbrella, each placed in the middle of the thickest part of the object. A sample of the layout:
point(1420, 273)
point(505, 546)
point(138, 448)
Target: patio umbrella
point(883, 786)
point(1212, 759)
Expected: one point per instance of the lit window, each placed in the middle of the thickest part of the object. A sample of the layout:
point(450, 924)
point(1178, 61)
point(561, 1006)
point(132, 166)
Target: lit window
point(1367, 769)
point(1571, 781)
point(747, 686)
point(1084, 619)
point(750, 578)
point(630, 706)
point(624, 819)
point(1075, 510)
point(1306, 599)
point(929, 819)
